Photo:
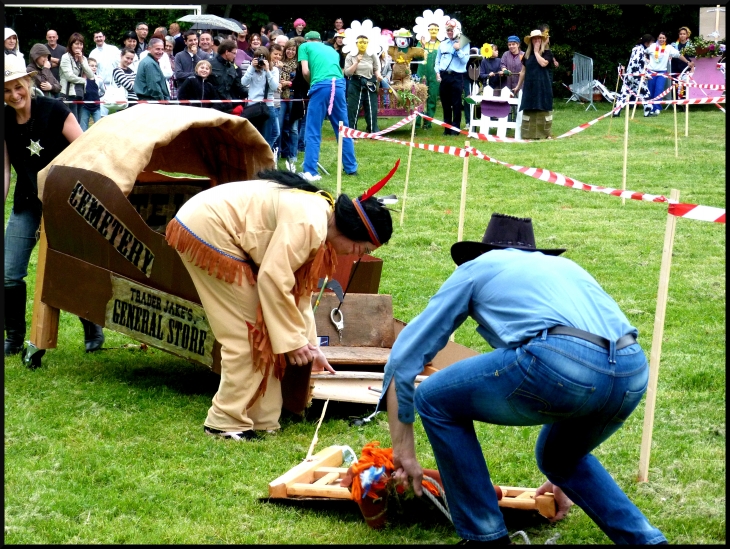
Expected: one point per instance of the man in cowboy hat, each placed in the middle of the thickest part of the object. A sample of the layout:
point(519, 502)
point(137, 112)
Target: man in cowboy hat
point(564, 357)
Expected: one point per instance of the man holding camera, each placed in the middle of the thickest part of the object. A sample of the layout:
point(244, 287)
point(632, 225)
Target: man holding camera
point(262, 80)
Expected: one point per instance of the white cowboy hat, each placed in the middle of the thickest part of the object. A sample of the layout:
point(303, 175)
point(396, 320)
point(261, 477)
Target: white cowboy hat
point(15, 68)
point(534, 34)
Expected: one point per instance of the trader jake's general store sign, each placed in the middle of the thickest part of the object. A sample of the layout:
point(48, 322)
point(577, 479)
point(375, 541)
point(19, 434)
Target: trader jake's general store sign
point(160, 319)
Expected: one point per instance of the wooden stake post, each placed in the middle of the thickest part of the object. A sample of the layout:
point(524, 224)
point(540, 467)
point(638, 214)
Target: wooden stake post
point(626, 153)
point(339, 160)
point(462, 207)
point(320, 477)
point(44, 325)
point(656, 342)
point(408, 172)
point(676, 141)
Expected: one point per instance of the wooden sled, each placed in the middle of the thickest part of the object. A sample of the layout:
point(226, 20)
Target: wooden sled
point(320, 478)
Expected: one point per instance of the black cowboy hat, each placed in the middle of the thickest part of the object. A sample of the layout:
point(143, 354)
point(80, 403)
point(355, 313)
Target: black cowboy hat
point(503, 231)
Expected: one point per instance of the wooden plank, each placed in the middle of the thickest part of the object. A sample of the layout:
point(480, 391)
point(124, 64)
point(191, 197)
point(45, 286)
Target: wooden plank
point(368, 320)
point(326, 479)
point(322, 471)
point(304, 472)
point(656, 342)
point(305, 489)
point(366, 356)
point(349, 386)
point(358, 375)
point(344, 390)
point(546, 505)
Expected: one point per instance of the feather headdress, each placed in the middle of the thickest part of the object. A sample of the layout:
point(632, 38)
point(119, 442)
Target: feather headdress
point(369, 194)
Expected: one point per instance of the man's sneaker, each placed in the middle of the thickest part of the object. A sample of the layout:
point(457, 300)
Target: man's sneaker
point(309, 177)
point(233, 435)
point(291, 165)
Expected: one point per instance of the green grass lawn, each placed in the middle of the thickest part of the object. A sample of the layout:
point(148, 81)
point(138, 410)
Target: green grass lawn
point(109, 447)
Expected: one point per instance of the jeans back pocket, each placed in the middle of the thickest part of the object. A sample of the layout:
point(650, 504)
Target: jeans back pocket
point(545, 396)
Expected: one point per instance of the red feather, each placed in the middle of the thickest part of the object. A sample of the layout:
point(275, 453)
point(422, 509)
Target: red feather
point(380, 184)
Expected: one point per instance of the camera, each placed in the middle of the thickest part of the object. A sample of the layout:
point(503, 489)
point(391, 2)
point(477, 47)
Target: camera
point(260, 61)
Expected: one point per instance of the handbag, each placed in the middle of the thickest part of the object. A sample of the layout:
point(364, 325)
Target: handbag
point(115, 93)
point(258, 112)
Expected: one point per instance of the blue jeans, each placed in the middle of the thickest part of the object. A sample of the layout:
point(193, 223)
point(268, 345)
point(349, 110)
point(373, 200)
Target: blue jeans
point(566, 384)
point(21, 236)
point(302, 130)
point(319, 99)
point(86, 114)
point(271, 128)
point(289, 132)
point(656, 85)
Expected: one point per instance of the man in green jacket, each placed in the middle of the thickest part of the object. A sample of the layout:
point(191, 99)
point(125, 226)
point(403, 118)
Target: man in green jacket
point(150, 84)
point(427, 72)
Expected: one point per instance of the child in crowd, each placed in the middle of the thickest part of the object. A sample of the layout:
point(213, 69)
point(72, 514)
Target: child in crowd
point(94, 92)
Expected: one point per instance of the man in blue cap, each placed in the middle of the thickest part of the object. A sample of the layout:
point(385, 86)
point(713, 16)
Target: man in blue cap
point(321, 68)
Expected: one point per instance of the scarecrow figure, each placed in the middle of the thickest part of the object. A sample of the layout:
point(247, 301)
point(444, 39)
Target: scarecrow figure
point(402, 54)
point(430, 30)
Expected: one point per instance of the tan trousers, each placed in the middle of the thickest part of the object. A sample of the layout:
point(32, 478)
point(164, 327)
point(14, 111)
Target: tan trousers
point(228, 307)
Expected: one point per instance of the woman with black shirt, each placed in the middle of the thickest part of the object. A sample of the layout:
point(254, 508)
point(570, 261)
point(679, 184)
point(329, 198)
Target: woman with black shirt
point(537, 97)
point(36, 131)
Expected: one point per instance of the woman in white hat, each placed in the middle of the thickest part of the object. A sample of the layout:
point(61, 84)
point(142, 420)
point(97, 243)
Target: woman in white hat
point(37, 129)
point(536, 79)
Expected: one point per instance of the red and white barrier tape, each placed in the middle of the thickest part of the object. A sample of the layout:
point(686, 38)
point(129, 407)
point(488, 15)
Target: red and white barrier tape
point(444, 149)
point(495, 139)
point(180, 101)
point(691, 211)
point(702, 213)
point(389, 129)
point(703, 86)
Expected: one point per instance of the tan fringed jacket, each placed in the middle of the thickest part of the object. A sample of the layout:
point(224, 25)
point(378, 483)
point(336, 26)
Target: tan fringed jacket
point(273, 236)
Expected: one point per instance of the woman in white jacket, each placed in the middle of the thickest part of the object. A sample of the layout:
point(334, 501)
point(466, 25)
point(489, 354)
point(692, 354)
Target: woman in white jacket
point(74, 70)
point(11, 44)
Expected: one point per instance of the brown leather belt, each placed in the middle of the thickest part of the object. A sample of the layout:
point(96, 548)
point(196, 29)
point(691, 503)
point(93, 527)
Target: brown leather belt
point(623, 341)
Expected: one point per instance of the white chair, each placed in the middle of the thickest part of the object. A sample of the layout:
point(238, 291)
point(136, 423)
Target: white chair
point(483, 124)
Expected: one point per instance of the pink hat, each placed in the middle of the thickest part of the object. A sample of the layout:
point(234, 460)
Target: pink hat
point(299, 21)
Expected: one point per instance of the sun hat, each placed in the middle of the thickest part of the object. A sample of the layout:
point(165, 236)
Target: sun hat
point(513, 38)
point(503, 231)
point(340, 33)
point(312, 35)
point(534, 34)
point(402, 33)
point(15, 68)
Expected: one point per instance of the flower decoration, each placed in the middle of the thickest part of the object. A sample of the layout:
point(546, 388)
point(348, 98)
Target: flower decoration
point(421, 27)
point(699, 47)
point(366, 28)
